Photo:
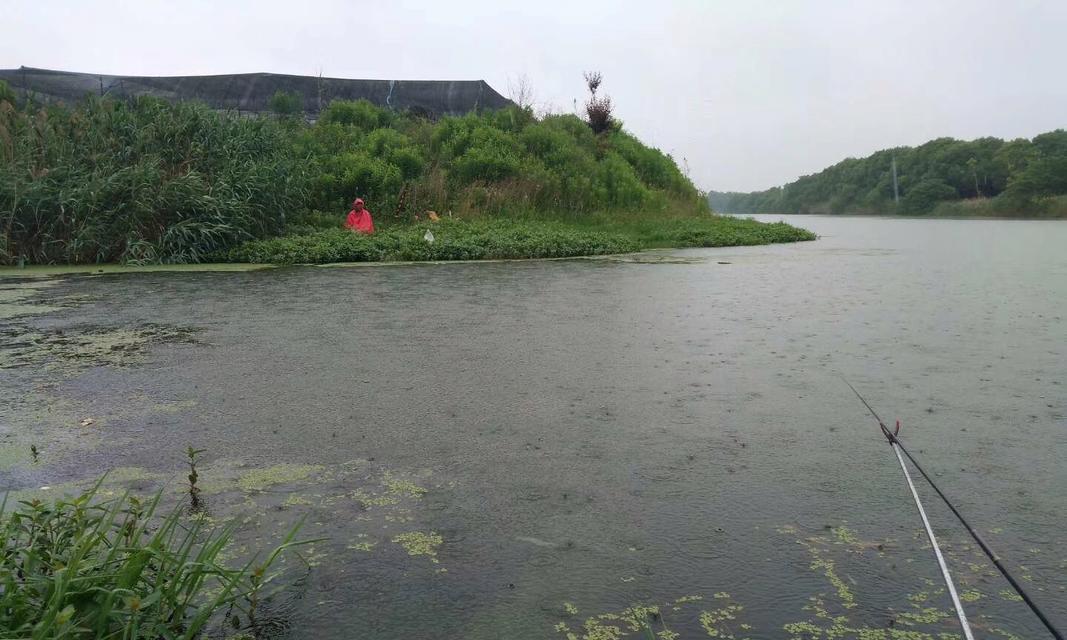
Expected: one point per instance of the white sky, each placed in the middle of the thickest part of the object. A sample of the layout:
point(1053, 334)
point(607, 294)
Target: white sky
point(751, 93)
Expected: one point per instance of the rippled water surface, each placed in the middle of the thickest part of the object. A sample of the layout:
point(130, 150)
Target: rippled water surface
point(667, 429)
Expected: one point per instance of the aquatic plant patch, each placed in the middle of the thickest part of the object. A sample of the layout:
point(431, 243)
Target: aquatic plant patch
point(835, 555)
point(88, 567)
point(452, 240)
point(77, 347)
point(503, 238)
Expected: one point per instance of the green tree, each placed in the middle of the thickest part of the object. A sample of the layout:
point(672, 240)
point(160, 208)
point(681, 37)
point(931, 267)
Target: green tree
point(286, 103)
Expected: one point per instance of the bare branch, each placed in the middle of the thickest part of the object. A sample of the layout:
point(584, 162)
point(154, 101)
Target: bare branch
point(520, 91)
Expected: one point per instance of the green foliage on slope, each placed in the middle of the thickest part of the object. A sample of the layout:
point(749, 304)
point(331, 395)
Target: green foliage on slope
point(1015, 177)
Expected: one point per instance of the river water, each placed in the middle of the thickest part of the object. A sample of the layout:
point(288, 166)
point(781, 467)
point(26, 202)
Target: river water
point(584, 436)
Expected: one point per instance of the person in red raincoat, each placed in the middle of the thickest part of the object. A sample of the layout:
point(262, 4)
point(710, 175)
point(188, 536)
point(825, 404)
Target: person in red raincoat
point(359, 219)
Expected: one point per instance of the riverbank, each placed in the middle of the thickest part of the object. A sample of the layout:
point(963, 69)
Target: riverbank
point(1051, 208)
point(944, 177)
point(500, 239)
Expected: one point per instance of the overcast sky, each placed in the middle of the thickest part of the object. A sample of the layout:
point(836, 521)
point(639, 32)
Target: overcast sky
point(750, 93)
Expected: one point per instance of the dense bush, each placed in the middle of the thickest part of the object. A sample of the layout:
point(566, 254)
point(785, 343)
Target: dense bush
point(145, 181)
point(505, 161)
point(286, 103)
point(151, 181)
point(1022, 177)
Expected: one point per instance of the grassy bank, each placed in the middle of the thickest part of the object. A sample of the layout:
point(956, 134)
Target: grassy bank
point(502, 238)
point(150, 182)
point(1054, 207)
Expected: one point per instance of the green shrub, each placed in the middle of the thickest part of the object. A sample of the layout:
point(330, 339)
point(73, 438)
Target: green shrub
point(357, 113)
point(150, 181)
point(286, 103)
point(7, 94)
point(146, 181)
point(618, 185)
point(923, 197)
point(89, 568)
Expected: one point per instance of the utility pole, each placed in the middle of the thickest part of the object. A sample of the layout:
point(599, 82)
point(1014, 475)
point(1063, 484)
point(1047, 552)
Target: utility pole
point(896, 188)
point(319, 89)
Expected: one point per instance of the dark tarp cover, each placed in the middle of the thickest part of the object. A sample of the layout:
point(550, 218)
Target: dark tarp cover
point(251, 92)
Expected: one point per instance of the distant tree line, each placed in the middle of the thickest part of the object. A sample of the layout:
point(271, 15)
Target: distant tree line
point(987, 176)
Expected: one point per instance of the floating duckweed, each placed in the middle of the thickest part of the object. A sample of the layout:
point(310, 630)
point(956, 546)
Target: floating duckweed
point(395, 490)
point(368, 499)
point(827, 625)
point(685, 599)
point(296, 499)
point(641, 620)
point(417, 543)
point(713, 621)
point(926, 615)
point(637, 617)
point(594, 630)
point(65, 351)
point(828, 568)
point(1010, 595)
point(14, 299)
point(362, 546)
point(285, 473)
point(397, 486)
point(801, 629)
point(845, 535)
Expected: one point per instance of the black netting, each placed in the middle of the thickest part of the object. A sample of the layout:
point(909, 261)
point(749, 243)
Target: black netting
point(251, 92)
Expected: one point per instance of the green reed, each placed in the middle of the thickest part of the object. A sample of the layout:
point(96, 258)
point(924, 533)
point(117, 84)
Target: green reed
point(89, 567)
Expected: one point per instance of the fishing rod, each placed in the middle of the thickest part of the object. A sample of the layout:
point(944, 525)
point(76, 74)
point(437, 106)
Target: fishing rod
point(960, 613)
point(898, 448)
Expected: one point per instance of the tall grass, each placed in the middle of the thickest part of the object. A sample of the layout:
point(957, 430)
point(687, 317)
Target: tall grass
point(92, 568)
point(148, 181)
point(139, 182)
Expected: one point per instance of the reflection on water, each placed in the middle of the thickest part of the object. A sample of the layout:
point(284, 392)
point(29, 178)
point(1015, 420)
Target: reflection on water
point(595, 435)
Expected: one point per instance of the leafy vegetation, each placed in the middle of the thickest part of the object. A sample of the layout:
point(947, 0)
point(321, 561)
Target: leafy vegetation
point(140, 182)
point(453, 240)
point(507, 238)
point(91, 568)
point(987, 176)
point(147, 181)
